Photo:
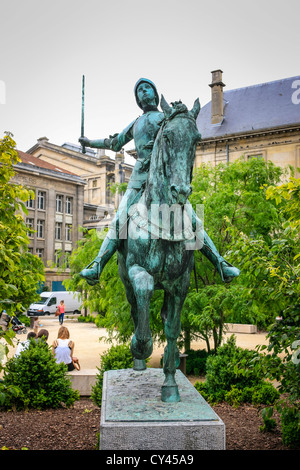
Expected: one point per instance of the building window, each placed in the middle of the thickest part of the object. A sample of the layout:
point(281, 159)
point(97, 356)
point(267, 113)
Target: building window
point(68, 232)
point(29, 223)
point(259, 157)
point(69, 205)
point(40, 228)
point(40, 252)
point(58, 231)
point(41, 200)
point(57, 256)
point(30, 250)
point(109, 196)
point(30, 203)
point(67, 258)
point(59, 203)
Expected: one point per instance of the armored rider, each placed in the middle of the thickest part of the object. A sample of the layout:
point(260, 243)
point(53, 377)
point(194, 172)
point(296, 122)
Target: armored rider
point(143, 131)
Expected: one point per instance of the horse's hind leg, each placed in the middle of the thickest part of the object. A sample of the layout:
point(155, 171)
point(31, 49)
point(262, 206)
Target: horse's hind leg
point(143, 287)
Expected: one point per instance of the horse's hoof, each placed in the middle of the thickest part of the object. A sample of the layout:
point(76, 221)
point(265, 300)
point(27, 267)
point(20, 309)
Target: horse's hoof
point(139, 364)
point(170, 393)
point(141, 349)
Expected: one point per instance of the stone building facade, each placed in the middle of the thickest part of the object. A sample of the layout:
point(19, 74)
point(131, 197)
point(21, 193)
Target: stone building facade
point(257, 121)
point(97, 169)
point(55, 213)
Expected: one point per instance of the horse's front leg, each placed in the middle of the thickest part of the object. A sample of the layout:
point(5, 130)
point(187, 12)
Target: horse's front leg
point(171, 316)
point(143, 286)
point(169, 392)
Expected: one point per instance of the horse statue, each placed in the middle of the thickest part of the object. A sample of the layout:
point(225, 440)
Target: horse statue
point(159, 258)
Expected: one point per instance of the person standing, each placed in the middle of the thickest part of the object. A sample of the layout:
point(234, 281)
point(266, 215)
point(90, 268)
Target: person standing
point(61, 309)
point(36, 325)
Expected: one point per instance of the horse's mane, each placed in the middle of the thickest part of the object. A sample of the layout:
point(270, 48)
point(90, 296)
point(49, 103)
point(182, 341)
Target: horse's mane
point(157, 158)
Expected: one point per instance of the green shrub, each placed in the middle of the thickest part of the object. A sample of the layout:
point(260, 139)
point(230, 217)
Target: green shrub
point(234, 397)
point(117, 357)
point(232, 366)
point(264, 393)
point(201, 388)
point(290, 426)
point(196, 361)
point(86, 319)
point(35, 380)
point(269, 422)
point(235, 375)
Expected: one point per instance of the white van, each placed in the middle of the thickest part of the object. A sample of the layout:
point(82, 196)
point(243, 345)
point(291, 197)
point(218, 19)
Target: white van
point(49, 302)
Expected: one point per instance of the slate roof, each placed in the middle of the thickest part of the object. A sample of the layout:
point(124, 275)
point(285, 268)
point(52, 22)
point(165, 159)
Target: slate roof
point(254, 108)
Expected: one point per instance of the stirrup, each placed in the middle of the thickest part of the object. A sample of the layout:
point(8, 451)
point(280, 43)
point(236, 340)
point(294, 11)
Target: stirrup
point(93, 262)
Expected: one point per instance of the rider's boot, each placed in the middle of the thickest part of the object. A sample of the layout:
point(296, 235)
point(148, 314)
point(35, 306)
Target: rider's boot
point(93, 271)
point(225, 269)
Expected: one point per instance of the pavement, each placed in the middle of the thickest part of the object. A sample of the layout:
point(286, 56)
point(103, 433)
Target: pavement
point(90, 341)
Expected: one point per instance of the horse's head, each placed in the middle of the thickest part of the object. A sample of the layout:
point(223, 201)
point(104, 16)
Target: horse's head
point(174, 154)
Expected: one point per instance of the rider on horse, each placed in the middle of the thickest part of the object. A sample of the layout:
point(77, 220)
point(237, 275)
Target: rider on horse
point(143, 131)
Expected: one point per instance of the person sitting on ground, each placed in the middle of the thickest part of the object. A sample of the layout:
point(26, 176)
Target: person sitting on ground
point(63, 349)
point(42, 335)
point(24, 344)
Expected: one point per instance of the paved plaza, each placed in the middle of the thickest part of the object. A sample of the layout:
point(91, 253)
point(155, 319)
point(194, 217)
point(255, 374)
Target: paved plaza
point(88, 347)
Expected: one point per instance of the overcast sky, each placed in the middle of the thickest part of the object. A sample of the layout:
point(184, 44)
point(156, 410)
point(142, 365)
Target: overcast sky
point(46, 47)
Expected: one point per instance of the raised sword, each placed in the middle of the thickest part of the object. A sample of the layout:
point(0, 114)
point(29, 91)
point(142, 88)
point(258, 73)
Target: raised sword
point(82, 113)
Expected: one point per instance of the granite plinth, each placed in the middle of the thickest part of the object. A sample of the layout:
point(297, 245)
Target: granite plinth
point(133, 417)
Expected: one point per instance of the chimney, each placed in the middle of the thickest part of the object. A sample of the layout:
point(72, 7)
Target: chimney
point(43, 140)
point(217, 97)
point(100, 153)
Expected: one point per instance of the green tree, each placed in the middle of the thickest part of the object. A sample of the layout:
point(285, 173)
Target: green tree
point(20, 271)
point(233, 195)
point(272, 269)
point(273, 274)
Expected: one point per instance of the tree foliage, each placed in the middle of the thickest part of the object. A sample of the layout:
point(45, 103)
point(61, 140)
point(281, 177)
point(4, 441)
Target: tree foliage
point(273, 275)
point(20, 271)
point(233, 195)
point(272, 269)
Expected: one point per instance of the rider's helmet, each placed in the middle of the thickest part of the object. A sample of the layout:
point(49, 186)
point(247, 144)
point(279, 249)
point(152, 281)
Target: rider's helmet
point(145, 80)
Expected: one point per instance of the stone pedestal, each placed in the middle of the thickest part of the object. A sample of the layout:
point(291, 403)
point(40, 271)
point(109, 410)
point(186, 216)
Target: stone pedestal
point(133, 417)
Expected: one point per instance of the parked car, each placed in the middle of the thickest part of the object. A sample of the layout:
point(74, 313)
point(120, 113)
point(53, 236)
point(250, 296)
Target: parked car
point(49, 302)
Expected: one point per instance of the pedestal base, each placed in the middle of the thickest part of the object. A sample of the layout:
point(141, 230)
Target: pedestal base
point(133, 417)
